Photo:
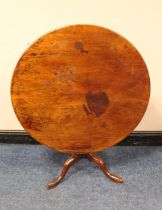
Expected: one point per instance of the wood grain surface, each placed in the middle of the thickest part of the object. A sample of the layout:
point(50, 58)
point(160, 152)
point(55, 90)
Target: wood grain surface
point(80, 89)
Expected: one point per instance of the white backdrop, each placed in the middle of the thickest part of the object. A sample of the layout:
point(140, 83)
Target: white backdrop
point(23, 21)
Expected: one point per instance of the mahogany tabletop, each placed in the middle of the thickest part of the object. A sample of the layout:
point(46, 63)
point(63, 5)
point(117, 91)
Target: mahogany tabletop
point(80, 89)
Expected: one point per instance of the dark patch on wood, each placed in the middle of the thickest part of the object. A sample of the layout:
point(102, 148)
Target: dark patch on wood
point(97, 103)
point(33, 54)
point(103, 125)
point(32, 125)
point(80, 46)
point(86, 110)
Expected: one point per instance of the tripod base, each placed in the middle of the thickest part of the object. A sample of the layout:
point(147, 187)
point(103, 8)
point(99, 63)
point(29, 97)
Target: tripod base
point(75, 158)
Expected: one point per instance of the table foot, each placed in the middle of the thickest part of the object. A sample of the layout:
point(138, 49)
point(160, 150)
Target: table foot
point(103, 167)
point(68, 163)
point(75, 158)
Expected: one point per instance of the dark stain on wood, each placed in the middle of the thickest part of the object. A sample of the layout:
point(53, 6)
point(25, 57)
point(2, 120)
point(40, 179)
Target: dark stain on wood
point(32, 125)
point(86, 110)
point(97, 103)
point(103, 125)
point(79, 45)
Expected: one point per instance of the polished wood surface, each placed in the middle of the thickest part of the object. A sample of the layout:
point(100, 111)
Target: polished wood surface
point(80, 89)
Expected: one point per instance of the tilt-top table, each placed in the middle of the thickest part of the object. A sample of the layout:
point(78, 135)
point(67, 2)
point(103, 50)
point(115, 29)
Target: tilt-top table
point(79, 90)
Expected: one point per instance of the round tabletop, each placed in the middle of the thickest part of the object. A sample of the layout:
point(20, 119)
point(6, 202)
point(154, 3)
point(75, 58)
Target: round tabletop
point(80, 89)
